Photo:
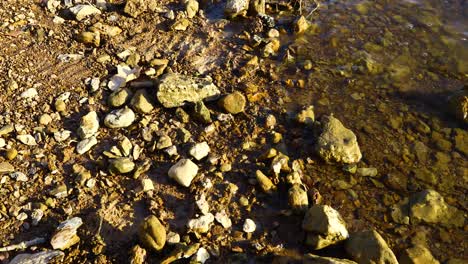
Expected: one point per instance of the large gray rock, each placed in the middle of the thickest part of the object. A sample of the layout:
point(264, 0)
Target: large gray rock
point(337, 143)
point(417, 255)
point(314, 259)
point(430, 207)
point(369, 247)
point(325, 226)
point(177, 89)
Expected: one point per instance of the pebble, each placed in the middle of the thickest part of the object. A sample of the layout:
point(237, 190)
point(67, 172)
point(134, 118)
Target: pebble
point(152, 233)
point(172, 238)
point(367, 172)
point(2, 143)
point(83, 11)
point(61, 136)
point(85, 145)
point(119, 98)
point(171, 151)
point(19, 176)
point(201, 224)
point(369, 247)
point(183, 172)
point(27, 140)
point(249, 226)
point(147, 185)
point(201, 256)
point(222, 218)
point(164, 142)
point(141, 102)
point(191, 8)
point(417, 255)
point(11, 154)
point(203, 205)
point(298, 199)
point(265, 183)
point(301, 25)
point(306, 116)
point(29, 93)
point(202, 113)
point(233, 103)
point(60, 106)
point(234, 8)
point(121, 166)
point(89, 125)
point(120, 118)
point(200, 150)
point(7, 129)
point(45, 119)
point(65, 235)
point(36, 216)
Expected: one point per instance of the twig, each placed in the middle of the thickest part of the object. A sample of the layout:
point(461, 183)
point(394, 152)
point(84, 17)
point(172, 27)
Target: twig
point(315, 9)
point(24, 244)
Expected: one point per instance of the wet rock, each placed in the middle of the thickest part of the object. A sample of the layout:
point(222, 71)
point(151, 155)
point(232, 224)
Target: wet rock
point(325, 226)
point(271, 48)
point(200, 150)
point(183, 172)
point(430, 207)
point(27, 140)
point(66, 236)
point(417, 255)
point(177, 89)
point(337, 143)
point(134, 8)
point(298, 199)
point(191, 7)
point(314, 259)
point(120, 97)
point(369, 247)
point(249, 226)
point(152, 233)
point(223, 219)
point(258, 7)
point(85, 145)
point(265, 183)
point(123, 117)
point(89, 125)
point(236, 8)
point(6, 167)
point(202, 113)
point(83, 11)
point(306, 116)
point(233, 103)
point(201, 224)
point(121, 166)
point(43, 257)
point(141, 102)
point(458, 104)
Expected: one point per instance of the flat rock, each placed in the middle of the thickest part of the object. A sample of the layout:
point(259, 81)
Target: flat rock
point(430, 207)
point(27, 140)
point(325, 226)
point(183, 172)
point(6, 167)
point(120, 118)
point(65, 235)
point(121, 166)
point(417, 255)
point(337, 143)
point(89, 125)
point(177, 89)
point(152, 233)
point(43, 257)
point(368, 247)
point(83, 11)
point(85, 145)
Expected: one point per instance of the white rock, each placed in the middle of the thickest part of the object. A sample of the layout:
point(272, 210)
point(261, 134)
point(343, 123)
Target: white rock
point(203, 205)
point(36, 216)
point(89, 125)
point(65, 236)
point(183, 172)
point(91, 183)
point(223, 219)
point(201, 224)
point(27, 140)
point(171, 151)
point(147, 185)
point(29, 93)
point(200, 150)
point(119, 118)
point(85, 145)
point(201, 256)
point(2, 143)
point(249, 226)
point(22, 216)
point(19, 176)
point(172, 238)
point(83, 11)
point(124, 75)
point(60, 136)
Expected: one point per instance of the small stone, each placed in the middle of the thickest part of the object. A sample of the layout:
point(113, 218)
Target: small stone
point(45, 119)
point(265, 183)
point(60, 191)
point(83, 11)
point(121, 166)
point(301, 25)
point(200, 150)
point(203, 205)
point(86, 37)
point(417, 255)
point(306, 116)
point(147, 185)
point(233, 103)
point(223, 219)
point(191, 8)
point(201, 256)
point(171, 151)
point(369, 247)
point(36, 216)
point(152, 233)
point(172, 238)
point(182, 115)
point(65, 235)
point(325, 226)
point(181, 24)
point(120, 118)
point(367, 172)
point(19, 176)
point(138, 255)
point(11, 154)
point(202, 113)
point(120, 97)
point(183, 172)
point(201, 224)
point(141, 102)
point(29, 93)
point(273, 33)
point(27, 140)
point(164, 142)
point(249, 226)
point(298, 199)
point(89, 125)
point(85, 145)
point(6, 167)
point(7, 129)
point(236, 8)
point(337, 143)
point(60, 106)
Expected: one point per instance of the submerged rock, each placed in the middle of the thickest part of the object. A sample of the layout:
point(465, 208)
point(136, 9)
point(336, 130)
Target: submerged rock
point(177, 89)
point(152, 233)
point(325, 226)
point(337, 143)
point(430, 207)
point(369, 247)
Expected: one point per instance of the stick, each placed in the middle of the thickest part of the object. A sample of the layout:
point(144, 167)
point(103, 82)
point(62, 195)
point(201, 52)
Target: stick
point(24, 244)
